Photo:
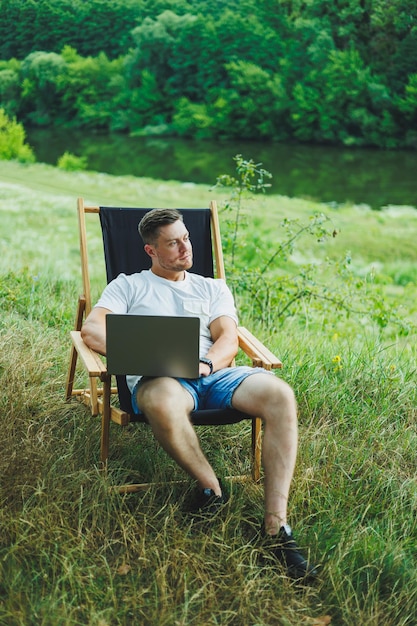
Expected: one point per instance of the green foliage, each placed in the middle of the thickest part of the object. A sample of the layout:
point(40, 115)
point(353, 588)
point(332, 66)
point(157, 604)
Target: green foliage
point(255, 105)
point(191, 119)
point(10, 90)
point(98, 25)
point(143, 106)
point(87, 89)
point(12, 140)
point(313, 72)
point(408, 106)
point(344, 103)
point(72, 163)
point(409, 103)
point(40, 74)
point(155, 43)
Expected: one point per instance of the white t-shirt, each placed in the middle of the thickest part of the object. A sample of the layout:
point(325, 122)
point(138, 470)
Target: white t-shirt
point(145, 293)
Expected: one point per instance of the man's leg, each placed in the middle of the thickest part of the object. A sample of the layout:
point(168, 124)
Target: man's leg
point(167, 406)
point(271, 399)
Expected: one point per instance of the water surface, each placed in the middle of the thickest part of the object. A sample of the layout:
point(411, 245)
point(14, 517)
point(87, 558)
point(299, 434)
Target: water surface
point(362, 176)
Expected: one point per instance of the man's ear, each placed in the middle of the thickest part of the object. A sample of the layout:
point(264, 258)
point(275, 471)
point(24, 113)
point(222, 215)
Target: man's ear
point(149, 250)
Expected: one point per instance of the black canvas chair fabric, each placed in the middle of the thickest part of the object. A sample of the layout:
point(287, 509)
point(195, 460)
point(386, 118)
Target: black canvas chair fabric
point(123, 246)
point(124, 253)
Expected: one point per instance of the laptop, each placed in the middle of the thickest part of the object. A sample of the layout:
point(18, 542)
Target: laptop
point(148, 345)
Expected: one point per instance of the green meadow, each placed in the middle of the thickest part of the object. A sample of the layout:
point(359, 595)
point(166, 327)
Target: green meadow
point(338, 307)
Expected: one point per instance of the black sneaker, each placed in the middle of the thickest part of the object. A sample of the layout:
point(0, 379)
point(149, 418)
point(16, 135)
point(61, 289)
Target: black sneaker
point(284, 548)
point(207, 503)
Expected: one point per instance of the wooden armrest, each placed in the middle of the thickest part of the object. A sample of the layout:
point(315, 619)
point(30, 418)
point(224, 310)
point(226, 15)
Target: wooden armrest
point(255, 350)
point(91, 360)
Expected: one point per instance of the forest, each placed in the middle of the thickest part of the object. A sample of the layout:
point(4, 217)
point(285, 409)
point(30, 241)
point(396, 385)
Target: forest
point(336, 73)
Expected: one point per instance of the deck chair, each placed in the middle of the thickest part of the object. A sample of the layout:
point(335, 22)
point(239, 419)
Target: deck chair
point(123, 252)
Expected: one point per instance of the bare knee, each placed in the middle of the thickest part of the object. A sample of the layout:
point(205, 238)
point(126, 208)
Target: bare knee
point(163, 401)
point(285, 394)
point(266, 396)
point(281, 405)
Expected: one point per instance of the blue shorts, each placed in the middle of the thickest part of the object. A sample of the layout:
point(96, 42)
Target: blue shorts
point(211, 392)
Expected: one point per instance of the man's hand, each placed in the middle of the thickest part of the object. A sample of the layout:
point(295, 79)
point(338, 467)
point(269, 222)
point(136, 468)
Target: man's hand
point(205, 369)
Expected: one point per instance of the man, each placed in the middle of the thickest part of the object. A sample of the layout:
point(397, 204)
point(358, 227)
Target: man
point(169, 289)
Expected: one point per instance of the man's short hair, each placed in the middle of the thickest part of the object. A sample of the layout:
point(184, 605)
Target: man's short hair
point(152, 221)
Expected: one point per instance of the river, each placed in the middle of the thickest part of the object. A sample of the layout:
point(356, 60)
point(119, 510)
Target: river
point(377, 178)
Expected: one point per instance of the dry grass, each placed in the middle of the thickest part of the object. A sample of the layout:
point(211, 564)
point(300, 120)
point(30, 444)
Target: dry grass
point(75, 553)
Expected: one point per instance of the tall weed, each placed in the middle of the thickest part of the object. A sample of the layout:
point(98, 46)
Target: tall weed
point(269, 287)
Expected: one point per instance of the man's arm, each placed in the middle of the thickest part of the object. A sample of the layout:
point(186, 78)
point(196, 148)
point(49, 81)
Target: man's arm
point(225, 344)
point(93, 331)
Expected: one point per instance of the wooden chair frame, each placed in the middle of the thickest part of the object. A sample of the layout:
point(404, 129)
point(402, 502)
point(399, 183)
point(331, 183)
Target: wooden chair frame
point(98, 397)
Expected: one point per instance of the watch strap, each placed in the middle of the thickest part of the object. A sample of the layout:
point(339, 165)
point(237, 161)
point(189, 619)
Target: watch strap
point(207, 362)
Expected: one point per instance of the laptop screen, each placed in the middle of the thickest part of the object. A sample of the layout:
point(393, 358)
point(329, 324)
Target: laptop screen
point(147, 345)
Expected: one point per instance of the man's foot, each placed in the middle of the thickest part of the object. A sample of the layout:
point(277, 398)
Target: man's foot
point(208, 504)
point(284, 548)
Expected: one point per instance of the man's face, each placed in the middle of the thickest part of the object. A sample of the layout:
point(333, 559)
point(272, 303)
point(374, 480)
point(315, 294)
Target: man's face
point(173, 251)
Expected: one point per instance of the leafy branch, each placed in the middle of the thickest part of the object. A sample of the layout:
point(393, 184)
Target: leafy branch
point(250, 178)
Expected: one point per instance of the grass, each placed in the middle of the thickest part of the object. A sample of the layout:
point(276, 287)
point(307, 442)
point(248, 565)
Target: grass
point(74, 553)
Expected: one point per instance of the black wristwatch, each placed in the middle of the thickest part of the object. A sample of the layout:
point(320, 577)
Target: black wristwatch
point(207, 362)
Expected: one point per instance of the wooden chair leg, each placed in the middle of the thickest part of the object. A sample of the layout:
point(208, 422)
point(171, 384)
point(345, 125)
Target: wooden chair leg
point(94, 397)
point(105, 420)
point(256, 448)
point(71, 373)
point(74, 355)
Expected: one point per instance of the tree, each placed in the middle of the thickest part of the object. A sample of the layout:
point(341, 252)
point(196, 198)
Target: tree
point(408, 107)
point(155, 41)
point(146, 106)
point(86, 89)
point(41, 72)
point(305, 109)
point(392, 42)
point(95, 26)
point(254, 106)
point(343, 103)
point(356, 107)
point(317, 71)
point(10, 91)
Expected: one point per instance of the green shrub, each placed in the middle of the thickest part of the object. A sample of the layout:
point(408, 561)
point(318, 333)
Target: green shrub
point(12, 140)
point(72, 163)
